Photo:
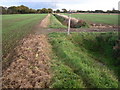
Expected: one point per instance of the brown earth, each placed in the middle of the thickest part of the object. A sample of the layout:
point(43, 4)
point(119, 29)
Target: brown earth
point(31, 67)
point(45, 22)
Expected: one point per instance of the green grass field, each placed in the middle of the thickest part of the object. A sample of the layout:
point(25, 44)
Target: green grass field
point(98, 18)
point(86, 56)
point(15, 27)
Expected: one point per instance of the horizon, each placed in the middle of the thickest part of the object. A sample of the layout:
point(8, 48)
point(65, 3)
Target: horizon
point(85, 5)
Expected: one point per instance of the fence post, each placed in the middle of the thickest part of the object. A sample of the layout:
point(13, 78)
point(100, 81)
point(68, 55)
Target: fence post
point(69, 24)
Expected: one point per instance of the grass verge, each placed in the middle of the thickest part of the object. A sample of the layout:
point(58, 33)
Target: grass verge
point(54, 23)
point(78, 58)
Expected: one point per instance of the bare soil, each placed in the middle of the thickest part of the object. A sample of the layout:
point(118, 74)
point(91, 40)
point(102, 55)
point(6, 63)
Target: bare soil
point(31, 67)
point(45, 22)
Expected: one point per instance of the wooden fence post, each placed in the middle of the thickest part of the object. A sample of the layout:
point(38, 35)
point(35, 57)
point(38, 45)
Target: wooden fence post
point(69, 24)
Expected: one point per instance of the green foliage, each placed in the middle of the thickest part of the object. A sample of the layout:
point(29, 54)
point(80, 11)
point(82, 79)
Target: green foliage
point(23, 10)
point(64, 10)
point(19, 9)
point(50, 10)
point(57, 11)
point(77, 52)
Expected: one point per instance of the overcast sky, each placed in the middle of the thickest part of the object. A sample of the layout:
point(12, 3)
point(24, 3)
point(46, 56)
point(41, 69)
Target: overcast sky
point(68, 4)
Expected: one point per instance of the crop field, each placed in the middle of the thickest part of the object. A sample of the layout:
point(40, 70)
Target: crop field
point(47, 57)
point(15, 27)
point(98, 18)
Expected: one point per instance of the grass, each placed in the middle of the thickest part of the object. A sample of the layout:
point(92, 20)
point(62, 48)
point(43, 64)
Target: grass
point(97, 18)
point(15, 27)
point(77, 52)
point(54, 23)
point(63, 76)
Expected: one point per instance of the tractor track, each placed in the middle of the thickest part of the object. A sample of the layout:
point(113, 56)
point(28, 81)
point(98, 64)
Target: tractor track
point(30, 67)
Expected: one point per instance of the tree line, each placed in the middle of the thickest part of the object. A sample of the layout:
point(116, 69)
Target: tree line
point(26, 10)
point(99, 11)
point(23, 10)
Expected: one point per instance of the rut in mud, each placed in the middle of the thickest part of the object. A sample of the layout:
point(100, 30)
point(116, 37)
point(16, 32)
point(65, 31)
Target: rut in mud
point(31, 67)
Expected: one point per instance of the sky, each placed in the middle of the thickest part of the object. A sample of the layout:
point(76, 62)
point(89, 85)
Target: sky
point(68, 4)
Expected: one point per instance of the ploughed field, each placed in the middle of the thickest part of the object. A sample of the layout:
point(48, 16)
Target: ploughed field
point(57, 60)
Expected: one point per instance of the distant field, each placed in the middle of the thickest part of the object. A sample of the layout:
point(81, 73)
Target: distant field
point(84, 60)
point(98, 18)
point(15, 27)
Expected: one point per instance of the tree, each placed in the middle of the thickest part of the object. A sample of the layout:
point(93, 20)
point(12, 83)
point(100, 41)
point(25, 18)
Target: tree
point(44, 10)
point(57, 11)
point(38, 10)
point(64, 10)
point(32, 11)
point(99, 11)
point(114, 11)
point(50, 10)
point(3, 10)
point(23, 9)
point(12, 10)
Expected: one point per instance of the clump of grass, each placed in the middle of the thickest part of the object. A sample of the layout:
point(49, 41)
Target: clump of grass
point(93, 73)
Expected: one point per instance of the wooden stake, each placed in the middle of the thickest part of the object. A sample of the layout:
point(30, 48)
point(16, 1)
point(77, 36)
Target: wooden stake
point(69, 24)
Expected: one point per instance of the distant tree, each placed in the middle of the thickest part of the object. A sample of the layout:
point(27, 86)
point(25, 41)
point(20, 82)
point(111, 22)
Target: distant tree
point(38, 10)
point(99, 11)
point(44, 10)
point(12, 10)
point(32, 11)
point(114, 11)
point(108, 11)
point(57, 11)
point(81, 11)
point(3, 10)
point(50, 10)
point(23, 9)
point(78, 11)
point(64, 10)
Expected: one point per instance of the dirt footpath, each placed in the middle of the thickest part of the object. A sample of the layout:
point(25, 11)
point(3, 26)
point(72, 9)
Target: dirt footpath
point(30, 68)
point(45, 22)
